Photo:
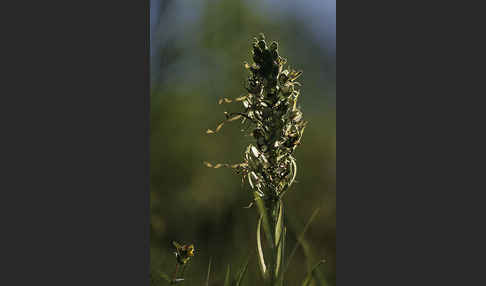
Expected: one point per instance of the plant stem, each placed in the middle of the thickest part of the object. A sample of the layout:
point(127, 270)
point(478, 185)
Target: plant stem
point(174, 276)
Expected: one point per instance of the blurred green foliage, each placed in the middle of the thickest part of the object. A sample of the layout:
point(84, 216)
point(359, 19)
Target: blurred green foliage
point(194, 204)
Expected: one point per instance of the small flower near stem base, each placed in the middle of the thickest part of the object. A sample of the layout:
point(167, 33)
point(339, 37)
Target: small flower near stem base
point(183, 255)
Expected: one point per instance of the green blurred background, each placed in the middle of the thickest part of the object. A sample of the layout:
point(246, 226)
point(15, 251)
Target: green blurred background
point(197, 54)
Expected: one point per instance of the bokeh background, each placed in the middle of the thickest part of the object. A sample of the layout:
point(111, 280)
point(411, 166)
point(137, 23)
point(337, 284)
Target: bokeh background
point(197, 54)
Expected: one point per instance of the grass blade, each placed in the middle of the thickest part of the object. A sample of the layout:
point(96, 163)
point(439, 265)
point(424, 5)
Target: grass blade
point(242, 272)
point(317, 273)
point(209, 271)
point(311, 273)
point(308, 252)
point(227, 280)
point(299, 239)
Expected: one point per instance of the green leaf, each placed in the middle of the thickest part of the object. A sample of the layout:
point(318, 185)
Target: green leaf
point(279, 238)
point(261, 258)
point(227, 281)
point(280, 257)
point(279, 225)
point(265, 220)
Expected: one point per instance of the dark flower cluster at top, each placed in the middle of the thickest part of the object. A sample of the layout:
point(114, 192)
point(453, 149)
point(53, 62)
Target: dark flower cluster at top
point(277, 123)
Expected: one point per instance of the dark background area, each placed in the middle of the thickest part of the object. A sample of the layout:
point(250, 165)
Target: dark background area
point(198, 50)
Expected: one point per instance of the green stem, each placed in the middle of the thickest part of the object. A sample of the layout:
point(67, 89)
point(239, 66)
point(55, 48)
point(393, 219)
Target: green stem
point(271, 212)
